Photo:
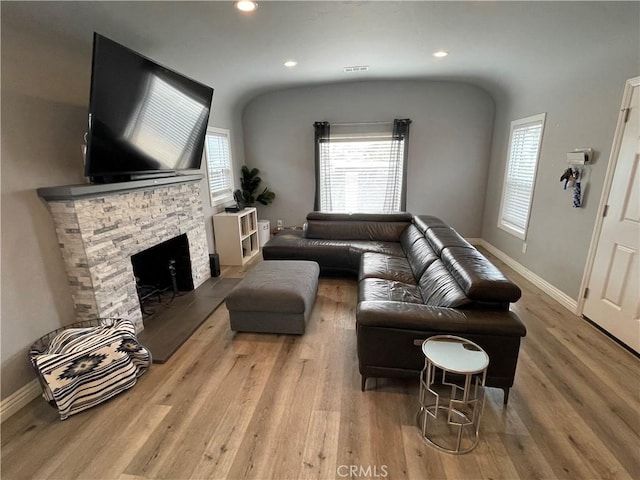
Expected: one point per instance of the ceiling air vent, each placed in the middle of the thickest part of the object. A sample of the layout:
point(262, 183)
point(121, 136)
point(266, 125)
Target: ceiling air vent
point(356, 68)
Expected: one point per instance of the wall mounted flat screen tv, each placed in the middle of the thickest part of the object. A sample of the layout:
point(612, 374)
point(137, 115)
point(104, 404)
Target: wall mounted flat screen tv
point(145, 120)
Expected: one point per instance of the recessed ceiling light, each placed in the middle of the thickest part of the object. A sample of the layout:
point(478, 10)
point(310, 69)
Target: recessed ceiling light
point(290, 63)
point(246, 5)
point(440, 54)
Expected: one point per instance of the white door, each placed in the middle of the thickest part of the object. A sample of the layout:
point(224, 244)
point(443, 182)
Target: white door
point(613, 299)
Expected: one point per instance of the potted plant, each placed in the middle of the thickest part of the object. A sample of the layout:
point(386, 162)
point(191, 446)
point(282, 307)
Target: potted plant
point(247, 195)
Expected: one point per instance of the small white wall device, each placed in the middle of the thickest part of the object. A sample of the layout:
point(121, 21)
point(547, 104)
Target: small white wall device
point(580, 156)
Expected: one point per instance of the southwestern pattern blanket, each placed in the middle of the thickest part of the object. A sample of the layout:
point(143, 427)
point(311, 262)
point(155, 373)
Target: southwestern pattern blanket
point(83, 367)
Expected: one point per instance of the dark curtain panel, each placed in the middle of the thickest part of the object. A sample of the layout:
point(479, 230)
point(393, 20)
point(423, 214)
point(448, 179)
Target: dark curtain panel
point(399, 155)
point(321, 145)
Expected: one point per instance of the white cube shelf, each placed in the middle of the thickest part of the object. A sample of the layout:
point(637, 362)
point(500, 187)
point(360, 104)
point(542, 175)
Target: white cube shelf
point(236, 236)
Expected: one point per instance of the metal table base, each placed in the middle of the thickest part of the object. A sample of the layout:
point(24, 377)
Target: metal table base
point(451, 401)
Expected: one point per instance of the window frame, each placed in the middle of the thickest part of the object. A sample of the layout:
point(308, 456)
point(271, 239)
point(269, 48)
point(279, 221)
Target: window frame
point(367, 134)
point(504, 224)
point(222, 197)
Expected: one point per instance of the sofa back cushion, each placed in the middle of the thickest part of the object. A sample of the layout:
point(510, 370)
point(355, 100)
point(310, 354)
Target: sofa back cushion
point(478, 277)
point(442, 237)
point(425, 222)
point(419, 255)
point(383, 227)
point(410, 235)
point(440, 289)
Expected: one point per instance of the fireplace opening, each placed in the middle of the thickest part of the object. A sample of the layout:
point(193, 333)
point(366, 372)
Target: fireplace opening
point(162, 272)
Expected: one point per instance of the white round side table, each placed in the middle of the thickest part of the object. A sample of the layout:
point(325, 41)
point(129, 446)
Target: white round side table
point(451, 404)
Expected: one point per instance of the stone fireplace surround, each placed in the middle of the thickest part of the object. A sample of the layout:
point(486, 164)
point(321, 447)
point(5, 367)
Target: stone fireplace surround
point(99, 228)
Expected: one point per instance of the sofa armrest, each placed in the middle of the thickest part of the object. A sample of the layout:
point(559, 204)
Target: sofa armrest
point(410, 316)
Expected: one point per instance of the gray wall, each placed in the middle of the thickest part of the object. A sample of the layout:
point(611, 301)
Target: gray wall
point(39, 148)
point(449, 144)
point(580, 113)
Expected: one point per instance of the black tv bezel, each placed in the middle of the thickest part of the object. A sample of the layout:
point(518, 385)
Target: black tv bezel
point(128, 175)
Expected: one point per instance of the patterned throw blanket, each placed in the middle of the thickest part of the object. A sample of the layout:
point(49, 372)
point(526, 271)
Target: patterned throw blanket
point(85, 366)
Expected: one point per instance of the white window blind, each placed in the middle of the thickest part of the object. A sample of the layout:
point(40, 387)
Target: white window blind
point(520, 173)
point(361, 172)
point(219, 167)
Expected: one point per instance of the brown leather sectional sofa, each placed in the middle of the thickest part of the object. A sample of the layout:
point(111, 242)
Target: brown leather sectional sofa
point(417, 277)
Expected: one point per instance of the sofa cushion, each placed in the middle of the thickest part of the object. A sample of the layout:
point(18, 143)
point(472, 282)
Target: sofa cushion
point(409, 236)
point(377, 265)
point(442, 237)
point(440, 289)
point(376, 289)
point(367, 217)
point(478, 277)
point(420, 255)
point(359, 247)
point(377, 227)
point(425, 222)
point(412, 316)
point(329, 254)
point(331, 230)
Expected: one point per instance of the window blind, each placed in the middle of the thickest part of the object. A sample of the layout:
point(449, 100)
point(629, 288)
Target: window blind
point(524, 148)
point(361, 168)
point(219, 169)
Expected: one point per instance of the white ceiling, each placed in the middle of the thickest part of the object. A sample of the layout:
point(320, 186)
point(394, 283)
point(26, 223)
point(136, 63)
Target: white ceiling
point(497, 45)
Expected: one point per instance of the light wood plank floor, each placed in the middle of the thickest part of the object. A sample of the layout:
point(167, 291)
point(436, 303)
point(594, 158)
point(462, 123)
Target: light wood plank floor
point(252, 406)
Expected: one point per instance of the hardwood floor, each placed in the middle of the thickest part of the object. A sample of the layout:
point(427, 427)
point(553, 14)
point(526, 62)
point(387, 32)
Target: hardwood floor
point(282, 407)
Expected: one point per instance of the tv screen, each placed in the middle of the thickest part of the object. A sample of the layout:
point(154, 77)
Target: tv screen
point(144, 119)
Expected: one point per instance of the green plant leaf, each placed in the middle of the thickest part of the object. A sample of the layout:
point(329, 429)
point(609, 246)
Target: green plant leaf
point(250, 181)
point(266, 197)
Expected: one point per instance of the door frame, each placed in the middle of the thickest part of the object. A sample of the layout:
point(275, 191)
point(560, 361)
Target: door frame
point(606, 190)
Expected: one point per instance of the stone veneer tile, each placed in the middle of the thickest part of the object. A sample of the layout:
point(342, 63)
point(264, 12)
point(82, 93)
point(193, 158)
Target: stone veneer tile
point(98, 236)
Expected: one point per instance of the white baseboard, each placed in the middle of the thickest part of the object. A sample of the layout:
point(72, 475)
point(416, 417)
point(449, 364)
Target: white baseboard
point(558, 295)
point(19, 399)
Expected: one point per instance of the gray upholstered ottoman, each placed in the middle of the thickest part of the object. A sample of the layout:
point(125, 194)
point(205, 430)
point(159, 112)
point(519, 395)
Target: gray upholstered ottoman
point(276, 296)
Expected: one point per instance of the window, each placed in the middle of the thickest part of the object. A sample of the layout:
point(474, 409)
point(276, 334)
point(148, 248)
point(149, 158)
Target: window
point(361, 167)
point(219, 167)
point(520, 174)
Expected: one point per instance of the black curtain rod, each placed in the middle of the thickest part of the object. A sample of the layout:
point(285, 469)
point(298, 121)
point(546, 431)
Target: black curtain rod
point(361, 123)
